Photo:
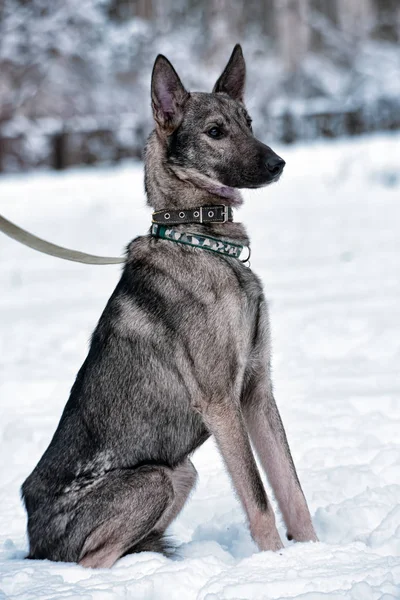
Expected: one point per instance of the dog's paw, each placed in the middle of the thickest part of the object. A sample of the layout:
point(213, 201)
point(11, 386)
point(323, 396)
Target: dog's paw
point(271, 542)
point(275, 543)
point(303, 535)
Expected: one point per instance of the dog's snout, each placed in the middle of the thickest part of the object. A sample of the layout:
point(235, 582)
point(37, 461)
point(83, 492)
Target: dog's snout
point(275, 165)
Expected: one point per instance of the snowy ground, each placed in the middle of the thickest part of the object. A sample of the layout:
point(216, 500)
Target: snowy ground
point(326, 242)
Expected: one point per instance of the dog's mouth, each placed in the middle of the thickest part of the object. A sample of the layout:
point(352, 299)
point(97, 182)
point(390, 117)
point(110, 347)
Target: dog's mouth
point(228, 191)
point(256, 186)
point(253, 183)
point(226, 187)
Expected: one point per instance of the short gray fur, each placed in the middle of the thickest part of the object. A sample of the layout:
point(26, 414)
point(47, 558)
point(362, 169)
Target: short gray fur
point(181, 352)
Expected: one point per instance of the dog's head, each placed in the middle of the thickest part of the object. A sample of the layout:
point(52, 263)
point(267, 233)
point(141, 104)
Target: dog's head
point(208, 138)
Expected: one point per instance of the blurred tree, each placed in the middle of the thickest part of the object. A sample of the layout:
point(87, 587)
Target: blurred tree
point(293, 39)
point(93, 58)
point(328, 10)
point(126, 9)
point(387, 23)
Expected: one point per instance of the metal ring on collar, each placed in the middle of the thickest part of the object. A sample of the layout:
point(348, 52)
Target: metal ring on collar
point(247, 259)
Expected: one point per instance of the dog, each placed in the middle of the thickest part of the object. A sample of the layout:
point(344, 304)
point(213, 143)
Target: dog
point(180, 353)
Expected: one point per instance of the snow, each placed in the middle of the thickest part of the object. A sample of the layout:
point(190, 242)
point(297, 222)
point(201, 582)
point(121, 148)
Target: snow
point(326, 243)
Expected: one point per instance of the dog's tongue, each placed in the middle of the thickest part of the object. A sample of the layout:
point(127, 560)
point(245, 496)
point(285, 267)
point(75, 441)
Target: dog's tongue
point(228, 193)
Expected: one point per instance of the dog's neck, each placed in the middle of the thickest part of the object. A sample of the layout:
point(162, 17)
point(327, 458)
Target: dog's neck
point(171, 187)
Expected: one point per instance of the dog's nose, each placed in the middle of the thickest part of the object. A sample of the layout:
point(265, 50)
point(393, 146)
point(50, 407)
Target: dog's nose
point(275, 165)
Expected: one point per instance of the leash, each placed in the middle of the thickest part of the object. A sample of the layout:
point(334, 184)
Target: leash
point(32, 241)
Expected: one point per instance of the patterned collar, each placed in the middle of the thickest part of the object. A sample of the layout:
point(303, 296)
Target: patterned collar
point(205, 242)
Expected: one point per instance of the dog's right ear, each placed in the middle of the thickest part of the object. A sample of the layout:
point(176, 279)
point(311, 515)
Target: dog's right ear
point(168, 95)
point(233, 79)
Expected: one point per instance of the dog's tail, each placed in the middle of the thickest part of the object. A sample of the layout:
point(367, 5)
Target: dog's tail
point(154, 542)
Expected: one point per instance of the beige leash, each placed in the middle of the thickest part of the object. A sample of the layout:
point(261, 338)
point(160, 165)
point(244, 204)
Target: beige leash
point(32, 241)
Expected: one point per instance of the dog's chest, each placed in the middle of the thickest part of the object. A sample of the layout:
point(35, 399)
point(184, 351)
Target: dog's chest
point(205, 304)
point(243, 302)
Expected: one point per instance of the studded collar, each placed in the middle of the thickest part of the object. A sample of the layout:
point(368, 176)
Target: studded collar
point(219, 213)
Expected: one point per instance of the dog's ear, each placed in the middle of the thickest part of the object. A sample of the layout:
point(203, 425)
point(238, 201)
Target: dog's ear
point(233, 79)
point(168, 95)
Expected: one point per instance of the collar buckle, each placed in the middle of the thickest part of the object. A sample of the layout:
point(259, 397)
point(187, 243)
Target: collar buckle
point(215, 213)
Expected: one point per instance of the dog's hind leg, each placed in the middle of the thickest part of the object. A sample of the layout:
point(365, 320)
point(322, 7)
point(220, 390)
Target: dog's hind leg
point(124, 509)
point(269, 438)
point(183, 479)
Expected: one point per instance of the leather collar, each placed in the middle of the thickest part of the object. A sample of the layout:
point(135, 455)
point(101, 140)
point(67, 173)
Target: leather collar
point(219, 213)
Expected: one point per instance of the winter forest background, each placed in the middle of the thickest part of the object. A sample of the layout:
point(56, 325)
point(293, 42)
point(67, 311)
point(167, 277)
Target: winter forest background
point(74, 74)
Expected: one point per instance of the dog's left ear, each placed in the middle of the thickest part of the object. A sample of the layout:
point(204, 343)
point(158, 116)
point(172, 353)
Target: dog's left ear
point(167, 95)
point(233, 79)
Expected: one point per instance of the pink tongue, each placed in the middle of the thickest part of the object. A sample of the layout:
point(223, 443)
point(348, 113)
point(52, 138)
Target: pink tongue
point(225, 192)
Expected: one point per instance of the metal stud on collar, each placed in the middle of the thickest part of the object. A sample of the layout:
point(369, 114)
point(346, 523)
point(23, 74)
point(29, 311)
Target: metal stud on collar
point(247, 259)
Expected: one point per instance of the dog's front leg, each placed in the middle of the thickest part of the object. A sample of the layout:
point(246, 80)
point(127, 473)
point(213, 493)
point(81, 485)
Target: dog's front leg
point(269, 439)
point(225, 422)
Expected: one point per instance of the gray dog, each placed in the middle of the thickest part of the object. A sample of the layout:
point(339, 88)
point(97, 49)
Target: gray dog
point(181, 352)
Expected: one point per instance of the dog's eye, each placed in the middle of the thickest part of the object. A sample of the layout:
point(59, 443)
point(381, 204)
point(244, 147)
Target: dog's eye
point(249, 122)
point(215, 132)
